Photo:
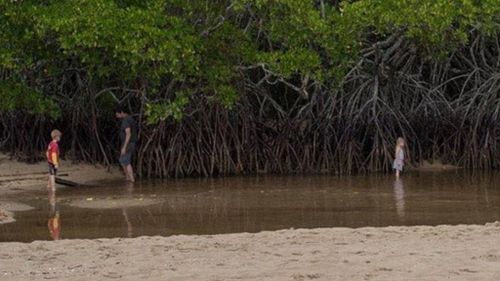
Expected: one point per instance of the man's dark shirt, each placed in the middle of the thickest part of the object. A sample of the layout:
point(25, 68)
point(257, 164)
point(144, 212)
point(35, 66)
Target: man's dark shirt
point(128, 122)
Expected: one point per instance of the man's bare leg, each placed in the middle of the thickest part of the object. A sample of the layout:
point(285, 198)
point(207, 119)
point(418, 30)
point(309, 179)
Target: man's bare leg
point(130, 173)
point(125, 171)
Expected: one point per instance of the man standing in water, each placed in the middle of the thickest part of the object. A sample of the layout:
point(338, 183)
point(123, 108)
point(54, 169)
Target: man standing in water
point(128, 139)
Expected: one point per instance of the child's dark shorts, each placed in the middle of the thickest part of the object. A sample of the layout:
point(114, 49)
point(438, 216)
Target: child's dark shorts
point(126, 159)
point(52, 169)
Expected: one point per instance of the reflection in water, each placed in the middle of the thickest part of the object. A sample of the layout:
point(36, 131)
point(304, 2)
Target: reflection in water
point(399, 197)
point(130, 232)
point(54, 222)
point(129, 189)
point(253, 204)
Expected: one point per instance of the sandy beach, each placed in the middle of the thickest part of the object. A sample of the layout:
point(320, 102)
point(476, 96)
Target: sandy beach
point(462, 252)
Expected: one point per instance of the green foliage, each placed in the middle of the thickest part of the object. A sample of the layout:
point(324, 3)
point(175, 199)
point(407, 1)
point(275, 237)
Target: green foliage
point(157, 112)
point(18, 47)
point(292, 61)
point(296, 39)
point(212, 47)
point(130, 41)
point(221, 52)
point(434, 22)
point(489, 14)
point(226, 95)
point(16, 96)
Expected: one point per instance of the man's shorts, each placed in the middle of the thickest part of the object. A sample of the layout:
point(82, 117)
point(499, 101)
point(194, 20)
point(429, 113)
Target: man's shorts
point(52, 169)
point(126, 159)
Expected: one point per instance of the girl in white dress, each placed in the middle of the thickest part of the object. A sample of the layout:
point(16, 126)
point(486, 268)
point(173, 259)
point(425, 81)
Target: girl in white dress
point(399, 157)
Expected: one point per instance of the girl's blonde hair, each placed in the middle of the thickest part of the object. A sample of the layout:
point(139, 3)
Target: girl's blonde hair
point(55, 133)
point(399, 142)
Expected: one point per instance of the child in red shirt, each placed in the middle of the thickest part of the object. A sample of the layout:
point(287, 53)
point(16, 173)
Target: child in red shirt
point(53, 158)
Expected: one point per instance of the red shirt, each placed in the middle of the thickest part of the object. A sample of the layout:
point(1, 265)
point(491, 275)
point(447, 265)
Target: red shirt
point(53, 148)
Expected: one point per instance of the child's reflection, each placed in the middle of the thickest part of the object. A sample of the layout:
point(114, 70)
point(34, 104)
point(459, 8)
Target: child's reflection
point(54, 222)
point(399, 197)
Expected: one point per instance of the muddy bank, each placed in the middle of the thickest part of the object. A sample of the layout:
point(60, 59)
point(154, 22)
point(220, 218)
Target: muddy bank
point(392, 253)
point(19, 176)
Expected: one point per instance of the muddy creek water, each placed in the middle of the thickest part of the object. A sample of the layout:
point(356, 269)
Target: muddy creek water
point(252, 204)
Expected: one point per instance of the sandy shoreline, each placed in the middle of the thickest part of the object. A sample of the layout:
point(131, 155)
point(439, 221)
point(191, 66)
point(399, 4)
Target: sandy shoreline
point(464, 252)
point(17, 177)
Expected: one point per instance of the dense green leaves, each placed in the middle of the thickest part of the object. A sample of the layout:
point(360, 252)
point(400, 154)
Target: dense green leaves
point(213, 48)
point(160, 111)
point(16, 96)
point(130, 42)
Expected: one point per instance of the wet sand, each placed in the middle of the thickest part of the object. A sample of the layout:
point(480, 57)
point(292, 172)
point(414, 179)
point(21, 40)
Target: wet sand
point(457, 253)
point(17, 177)
point(114, 203)
point(7, 210)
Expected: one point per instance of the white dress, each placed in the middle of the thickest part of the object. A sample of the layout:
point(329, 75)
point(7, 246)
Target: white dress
point(399, 162)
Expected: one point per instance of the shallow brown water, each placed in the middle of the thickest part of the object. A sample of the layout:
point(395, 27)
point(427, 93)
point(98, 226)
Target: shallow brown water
point(252, 204)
